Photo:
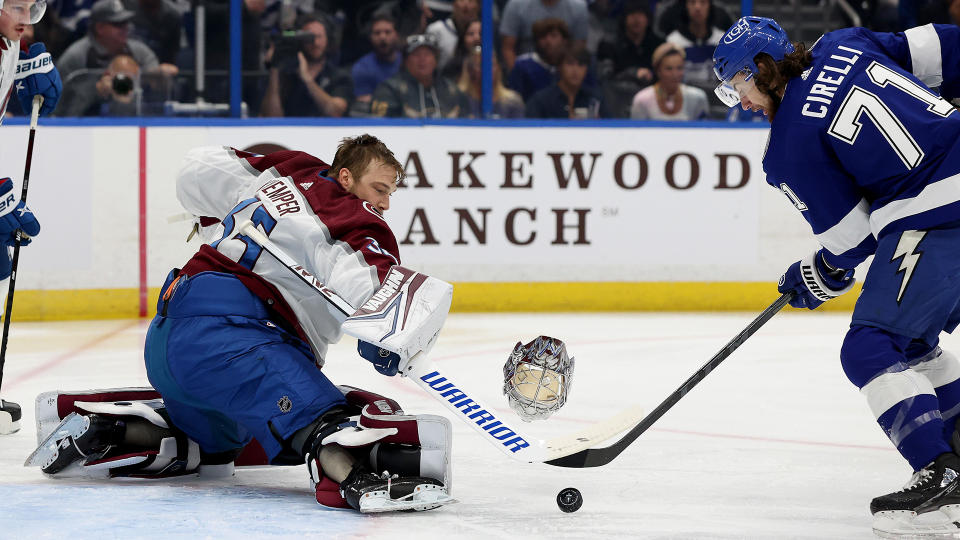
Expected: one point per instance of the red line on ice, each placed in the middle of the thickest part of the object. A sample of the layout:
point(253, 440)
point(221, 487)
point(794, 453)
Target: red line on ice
point(70, 354)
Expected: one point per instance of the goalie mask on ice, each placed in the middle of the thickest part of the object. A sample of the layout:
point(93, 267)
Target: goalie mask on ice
point(537, 378)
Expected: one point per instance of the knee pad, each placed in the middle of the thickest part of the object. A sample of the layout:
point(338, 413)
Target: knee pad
point(868, 351)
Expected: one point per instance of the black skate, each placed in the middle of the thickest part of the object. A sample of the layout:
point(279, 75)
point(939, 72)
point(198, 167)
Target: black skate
point(935, 487)
point(9, 417)
point(369, 492)
point(78, 438)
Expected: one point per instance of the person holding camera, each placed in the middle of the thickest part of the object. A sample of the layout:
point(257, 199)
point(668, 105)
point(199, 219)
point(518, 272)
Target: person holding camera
point(119, 88)
point(83, 63)
point(302, 82)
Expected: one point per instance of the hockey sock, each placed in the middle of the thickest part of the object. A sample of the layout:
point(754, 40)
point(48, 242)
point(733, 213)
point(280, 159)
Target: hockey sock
point(942, 369)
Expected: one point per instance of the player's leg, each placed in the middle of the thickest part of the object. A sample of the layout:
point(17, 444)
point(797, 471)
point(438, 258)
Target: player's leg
point(942, 369)
point(246, 369)
point(906, 302)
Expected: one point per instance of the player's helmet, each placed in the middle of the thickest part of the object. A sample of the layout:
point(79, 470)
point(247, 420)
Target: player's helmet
point(24, 11)
point(739, 45)
point(536, 378)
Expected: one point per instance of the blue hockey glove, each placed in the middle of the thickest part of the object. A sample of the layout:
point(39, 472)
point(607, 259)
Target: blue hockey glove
point(36, 74)
point(384, 361)
point(814, 281)
point(15, 215)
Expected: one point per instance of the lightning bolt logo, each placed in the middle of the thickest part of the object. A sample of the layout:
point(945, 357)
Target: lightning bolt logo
point(907, 249)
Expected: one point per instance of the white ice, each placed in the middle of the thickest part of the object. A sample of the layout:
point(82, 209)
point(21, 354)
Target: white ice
point(775, 443)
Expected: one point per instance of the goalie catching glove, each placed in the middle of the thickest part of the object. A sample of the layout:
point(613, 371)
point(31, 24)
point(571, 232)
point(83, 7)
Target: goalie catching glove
point(814, 281)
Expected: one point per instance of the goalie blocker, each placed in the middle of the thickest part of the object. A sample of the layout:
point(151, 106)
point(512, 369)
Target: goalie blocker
point(125, 432)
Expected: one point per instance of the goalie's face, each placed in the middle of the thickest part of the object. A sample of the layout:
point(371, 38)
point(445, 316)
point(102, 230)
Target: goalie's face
point(375, 185)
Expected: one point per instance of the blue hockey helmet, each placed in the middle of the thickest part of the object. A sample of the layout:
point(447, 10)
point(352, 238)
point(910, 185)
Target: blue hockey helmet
point(739, 45)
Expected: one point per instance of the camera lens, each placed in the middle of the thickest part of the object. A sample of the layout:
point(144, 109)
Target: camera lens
point(122, 84)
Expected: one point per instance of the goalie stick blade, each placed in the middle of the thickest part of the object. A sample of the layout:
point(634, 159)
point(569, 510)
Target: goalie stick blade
point(505, 433)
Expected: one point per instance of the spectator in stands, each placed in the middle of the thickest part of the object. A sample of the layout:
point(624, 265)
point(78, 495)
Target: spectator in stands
point(120, 91)
point(506, 102)
point(516, 24)
point(669, 98)
point(158, 24)
point(83, 62)
point(698, 35)
point(630, 54)
point(669, 17)
point(569, 97)
point(536, 70)
point(304, 82)
point(448, 31)
point(469, 40)
point(417, 91)
point(380, 64)
point(410, 17)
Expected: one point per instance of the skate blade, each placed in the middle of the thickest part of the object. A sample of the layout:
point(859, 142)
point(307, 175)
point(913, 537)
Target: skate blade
point(905, 525)
point(47, 451)
point(424, 497)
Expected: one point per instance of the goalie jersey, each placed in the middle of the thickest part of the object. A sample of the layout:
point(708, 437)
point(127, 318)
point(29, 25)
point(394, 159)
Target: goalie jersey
point(861, 145)
point(337, 237)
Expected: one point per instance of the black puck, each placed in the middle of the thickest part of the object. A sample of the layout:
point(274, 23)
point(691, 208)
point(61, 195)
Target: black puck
point(569, 499)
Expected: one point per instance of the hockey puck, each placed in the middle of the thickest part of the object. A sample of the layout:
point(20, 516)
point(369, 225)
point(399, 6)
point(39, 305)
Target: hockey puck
point(569, 499)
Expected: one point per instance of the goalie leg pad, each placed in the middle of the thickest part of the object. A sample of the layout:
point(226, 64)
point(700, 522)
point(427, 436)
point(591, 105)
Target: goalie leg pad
point(160, 449)
point(385, 439)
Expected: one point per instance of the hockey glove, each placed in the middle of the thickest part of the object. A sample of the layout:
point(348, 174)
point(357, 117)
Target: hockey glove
point(15, 215)
point(383, 361)
point(36, 74)
point(814, 281)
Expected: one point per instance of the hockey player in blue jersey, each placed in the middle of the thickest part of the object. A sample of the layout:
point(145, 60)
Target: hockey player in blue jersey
point(869, 153)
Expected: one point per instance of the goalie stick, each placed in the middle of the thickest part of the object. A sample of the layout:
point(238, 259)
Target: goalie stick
point(466, 405)
point(596, 457)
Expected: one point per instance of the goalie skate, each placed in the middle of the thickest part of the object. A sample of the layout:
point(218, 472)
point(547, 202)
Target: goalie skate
point(78, 438)
point(371, 493)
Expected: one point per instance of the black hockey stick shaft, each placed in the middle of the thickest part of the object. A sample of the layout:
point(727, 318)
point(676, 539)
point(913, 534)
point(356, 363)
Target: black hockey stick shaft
point(595, 457)
point(8, 309)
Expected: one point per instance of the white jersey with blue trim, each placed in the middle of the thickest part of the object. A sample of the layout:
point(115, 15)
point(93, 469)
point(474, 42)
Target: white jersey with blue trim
point(862, 146)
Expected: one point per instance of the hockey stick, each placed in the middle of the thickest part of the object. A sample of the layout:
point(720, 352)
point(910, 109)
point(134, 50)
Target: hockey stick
point(455, 397)
point(596, 457)
point(34, 115)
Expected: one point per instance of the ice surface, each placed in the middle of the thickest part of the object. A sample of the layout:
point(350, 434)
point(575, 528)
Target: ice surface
point(775, 443)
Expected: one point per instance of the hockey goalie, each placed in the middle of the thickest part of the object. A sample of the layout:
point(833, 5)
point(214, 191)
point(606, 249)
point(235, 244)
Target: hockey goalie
point(235, 350)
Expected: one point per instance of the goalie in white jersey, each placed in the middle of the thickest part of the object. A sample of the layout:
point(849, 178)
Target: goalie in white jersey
point(29, 72)
point(239, 337)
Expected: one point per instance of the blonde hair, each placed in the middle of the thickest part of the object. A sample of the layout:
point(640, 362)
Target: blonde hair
point(664, 50)
point(357, 154)
point(465, 84)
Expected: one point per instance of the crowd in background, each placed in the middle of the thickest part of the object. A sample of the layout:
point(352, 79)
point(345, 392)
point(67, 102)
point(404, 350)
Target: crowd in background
point(640, 59)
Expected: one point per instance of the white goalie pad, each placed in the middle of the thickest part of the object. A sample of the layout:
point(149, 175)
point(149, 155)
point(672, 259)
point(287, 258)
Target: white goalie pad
point(174, 456)
point(404, 315)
